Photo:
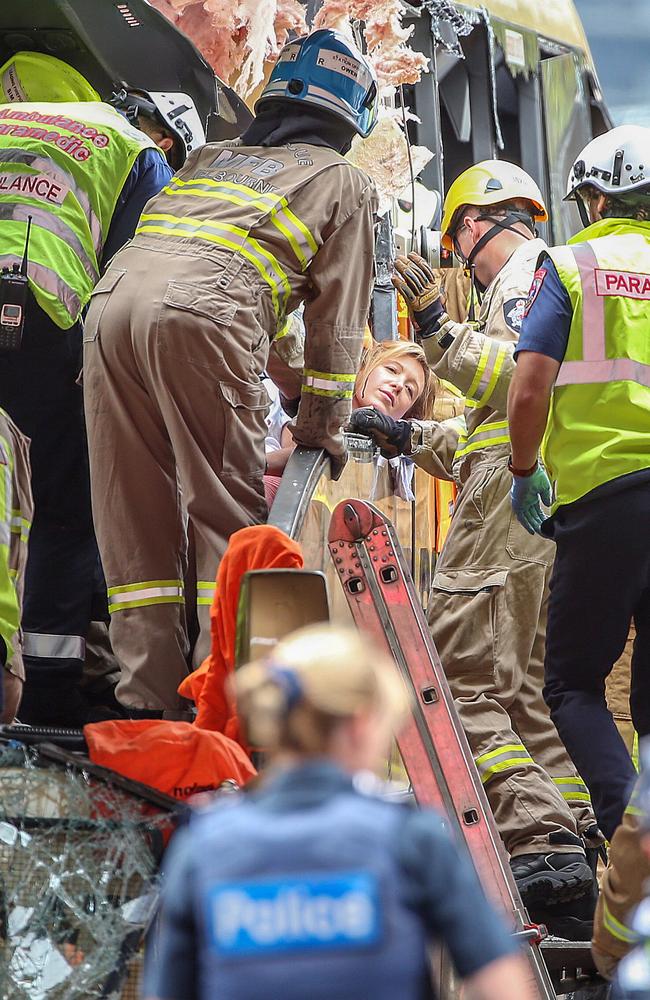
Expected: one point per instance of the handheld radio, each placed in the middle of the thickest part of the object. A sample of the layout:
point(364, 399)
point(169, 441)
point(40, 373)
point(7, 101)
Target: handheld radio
point(14, 286)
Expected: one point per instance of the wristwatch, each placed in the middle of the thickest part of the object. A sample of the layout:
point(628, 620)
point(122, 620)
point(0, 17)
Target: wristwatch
point(521, 472)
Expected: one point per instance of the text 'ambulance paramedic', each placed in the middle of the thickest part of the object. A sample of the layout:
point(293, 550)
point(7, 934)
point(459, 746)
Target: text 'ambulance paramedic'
point(487, 606)
point(82, 171)
point(179, 333)
point(582, 392)
point(314, 884)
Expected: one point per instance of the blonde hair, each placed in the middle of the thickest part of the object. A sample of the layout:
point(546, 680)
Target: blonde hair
point(393, 350)
point(315, 679)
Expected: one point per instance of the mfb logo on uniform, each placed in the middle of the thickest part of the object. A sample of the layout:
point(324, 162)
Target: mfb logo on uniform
point(629, 284)
point(313, 912)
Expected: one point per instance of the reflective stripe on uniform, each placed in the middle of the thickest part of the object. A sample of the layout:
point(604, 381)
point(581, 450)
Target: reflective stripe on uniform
point(338, 386)
point(505, 757)
point(6, 456)
point(267, 265)
point(300, 240)
point(615, 927)
point(20, 525)
point(59, 647)
point(573, 789)
point(145, 593)
point(488, 435)
point(49, 280)
point(46, 166)
point(51, 223)
point(595, 367)
point(205, 590)
point(493, 354)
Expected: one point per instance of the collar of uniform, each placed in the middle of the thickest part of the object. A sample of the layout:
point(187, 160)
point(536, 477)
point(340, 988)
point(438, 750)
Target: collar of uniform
point(306, 784)
point(611, 227)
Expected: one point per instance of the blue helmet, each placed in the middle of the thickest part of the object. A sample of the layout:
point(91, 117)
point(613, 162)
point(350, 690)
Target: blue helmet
point(327, 70)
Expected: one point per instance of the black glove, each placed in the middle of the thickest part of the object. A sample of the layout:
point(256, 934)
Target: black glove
point(337, 465)
point(289, 406)
point(421, 289)
point(392, 436)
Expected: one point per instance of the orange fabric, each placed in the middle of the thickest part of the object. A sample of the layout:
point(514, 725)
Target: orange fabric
point(259, 547)
point(175, 757)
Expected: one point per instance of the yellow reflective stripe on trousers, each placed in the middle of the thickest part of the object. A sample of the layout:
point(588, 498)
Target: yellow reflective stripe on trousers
point(336, 385)
point(285, 221)
point(20, 525)
point(615, 927)
point(266, 264)
point(205, 590)
point(493, 354)
point(144, 594)
point(7, 490)
point(487, 435)
point(572, 789)
point(502, 759)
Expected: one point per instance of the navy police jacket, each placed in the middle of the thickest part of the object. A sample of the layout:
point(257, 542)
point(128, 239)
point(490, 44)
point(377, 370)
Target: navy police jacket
point(310, 887)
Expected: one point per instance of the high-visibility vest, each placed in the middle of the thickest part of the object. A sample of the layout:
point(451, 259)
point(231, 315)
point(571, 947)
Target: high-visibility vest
point(599, 416)
point(64, 165)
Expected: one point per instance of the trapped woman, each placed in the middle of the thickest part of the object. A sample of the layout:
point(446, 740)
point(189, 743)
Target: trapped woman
point(313, 884)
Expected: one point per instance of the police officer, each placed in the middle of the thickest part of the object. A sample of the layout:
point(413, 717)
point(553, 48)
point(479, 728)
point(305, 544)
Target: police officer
point(83, 172)
point(179, 333)
point(582, 385)
point(315, 884)
point(487, 607)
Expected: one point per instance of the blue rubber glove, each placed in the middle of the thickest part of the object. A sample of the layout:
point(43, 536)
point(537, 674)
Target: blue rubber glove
point(525, 495)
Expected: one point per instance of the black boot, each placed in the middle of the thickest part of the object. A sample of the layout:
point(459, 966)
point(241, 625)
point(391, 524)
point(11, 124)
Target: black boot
point(572, 920)
point(551, 878)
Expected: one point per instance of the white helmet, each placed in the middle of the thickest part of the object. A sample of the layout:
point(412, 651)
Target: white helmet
point(175, 110)
point(615, 163)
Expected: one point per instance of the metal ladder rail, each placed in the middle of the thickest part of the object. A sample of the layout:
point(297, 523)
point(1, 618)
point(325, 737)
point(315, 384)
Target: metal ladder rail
point(383, 602)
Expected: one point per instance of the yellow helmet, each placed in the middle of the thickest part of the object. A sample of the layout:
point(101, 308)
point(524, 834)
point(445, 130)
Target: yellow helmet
point(35, 77)
point(488, 183)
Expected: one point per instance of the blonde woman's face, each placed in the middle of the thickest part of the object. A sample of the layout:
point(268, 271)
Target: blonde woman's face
point(392, 387)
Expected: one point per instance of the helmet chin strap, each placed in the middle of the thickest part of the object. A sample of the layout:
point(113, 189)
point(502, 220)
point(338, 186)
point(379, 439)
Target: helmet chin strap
point(500, 225)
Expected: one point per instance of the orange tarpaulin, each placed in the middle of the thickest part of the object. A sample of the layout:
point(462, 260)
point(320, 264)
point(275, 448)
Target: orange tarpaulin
point(174, 757)
point(259, 547)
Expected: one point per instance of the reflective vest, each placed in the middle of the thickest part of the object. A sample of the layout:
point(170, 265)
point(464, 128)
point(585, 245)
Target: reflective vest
point(599, 417)
point(294, 900)
point(64, 165)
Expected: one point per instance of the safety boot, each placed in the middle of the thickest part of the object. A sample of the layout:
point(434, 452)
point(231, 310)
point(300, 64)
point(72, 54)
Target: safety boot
point(551, 878)
point(572, 920)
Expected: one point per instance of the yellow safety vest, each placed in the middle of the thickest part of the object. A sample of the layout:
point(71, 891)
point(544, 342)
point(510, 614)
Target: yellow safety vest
point(64, 165)
point(599, 421)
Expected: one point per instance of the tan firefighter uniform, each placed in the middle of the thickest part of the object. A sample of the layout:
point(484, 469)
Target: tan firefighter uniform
point(487, 607)
point(622, 887)
point(17, 507)
point(175, 341)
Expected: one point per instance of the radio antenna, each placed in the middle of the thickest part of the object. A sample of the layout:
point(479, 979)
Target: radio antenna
point(23, 266)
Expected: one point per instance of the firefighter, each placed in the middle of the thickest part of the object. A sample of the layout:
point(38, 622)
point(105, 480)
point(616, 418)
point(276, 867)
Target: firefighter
point(487, 607)
point(16, 509)
point(83, 173)
point(314, 884)
point(582, 385)
point(178, 335)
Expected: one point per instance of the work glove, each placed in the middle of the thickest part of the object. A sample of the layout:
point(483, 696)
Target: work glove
point(415, 280)
point(525, 496)
point(392, 436)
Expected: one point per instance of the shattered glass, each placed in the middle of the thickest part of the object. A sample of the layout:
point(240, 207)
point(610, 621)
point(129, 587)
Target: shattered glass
point(449, 23)
point(78, 863)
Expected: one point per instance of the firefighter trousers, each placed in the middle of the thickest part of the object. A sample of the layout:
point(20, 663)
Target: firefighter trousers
point(63, 592)
point(175, 410)
point(487, 614)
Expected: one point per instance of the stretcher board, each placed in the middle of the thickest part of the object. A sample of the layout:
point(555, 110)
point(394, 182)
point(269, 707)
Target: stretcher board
point(383, 601)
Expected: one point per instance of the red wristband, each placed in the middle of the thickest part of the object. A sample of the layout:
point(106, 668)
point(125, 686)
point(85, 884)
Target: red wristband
point(522, 472)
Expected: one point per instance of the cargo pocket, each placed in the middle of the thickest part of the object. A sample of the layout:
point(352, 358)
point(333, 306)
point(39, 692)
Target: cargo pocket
point(98, 299)
point(528, 548)
point(244, 429)
point(194, 326)
point(465, 611)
